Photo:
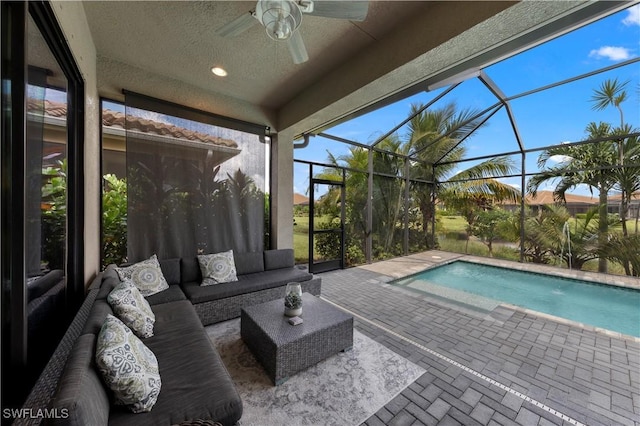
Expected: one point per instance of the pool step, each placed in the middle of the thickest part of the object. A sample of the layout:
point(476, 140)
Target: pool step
point(458, 296)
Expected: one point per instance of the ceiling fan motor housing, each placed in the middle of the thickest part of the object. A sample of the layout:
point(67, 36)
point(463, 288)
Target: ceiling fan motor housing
point(281, 18)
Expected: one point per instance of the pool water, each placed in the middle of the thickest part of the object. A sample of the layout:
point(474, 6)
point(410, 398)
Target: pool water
point(610, 307)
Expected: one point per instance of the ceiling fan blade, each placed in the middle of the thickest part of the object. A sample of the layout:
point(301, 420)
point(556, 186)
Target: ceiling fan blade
point(345, 9)
point(239, 25)
point(297, 49)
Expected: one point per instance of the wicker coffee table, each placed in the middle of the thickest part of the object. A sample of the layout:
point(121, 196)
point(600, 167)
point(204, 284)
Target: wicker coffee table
point(284, 349)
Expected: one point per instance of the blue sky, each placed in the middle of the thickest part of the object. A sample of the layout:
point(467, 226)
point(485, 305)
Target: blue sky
point(547, 118)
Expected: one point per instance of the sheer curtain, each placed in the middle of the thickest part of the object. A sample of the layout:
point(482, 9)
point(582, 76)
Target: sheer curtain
point(195, 182)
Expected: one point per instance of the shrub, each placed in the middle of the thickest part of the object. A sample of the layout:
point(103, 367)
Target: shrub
point(114, 220)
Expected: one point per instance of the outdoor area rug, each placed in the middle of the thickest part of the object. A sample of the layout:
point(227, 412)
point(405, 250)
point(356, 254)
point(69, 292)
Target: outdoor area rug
point(345, 389)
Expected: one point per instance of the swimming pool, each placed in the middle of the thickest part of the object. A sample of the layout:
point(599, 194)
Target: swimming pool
point(610, 307)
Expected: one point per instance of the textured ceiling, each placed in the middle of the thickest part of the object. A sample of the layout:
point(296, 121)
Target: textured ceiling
point(178, 40)
point(166, 49)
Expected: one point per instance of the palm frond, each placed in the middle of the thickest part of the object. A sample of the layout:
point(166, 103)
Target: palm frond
point(610, 93)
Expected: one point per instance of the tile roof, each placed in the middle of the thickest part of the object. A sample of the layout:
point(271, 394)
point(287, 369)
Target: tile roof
point(546, 197)
point(116, 119)
point(618, 197)
point(299, 199)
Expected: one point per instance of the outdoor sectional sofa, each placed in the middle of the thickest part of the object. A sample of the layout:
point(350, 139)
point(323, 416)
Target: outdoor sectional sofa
point(195, 383)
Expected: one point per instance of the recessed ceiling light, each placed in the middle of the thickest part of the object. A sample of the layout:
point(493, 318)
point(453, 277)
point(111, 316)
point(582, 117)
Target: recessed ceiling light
point(220, 72)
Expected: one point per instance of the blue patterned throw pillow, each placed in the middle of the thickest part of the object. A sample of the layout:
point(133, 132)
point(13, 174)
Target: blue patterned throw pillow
point(217, 268)
point(127, 366)
point(146, 275)
point(132, 309)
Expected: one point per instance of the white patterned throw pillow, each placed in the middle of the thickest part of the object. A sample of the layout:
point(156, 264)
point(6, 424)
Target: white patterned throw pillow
point(132, 308)
point(146, 275)
point(217, 268)
point(127, 366)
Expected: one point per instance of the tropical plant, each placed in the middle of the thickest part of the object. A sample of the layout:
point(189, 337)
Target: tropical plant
point(540, 232)
point(585, 239)
point(114, 220)
point(489, 226)
point(581, 164)
point(614, 93)
point(354, 163)
point(434, 136)
point(546, 236)
point(436, 142)
point(623, 250)
point(628, 176)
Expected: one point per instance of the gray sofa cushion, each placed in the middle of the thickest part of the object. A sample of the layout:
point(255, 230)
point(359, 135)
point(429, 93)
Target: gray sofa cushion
point(190, 270)
point(172, 294)
point(97, 315)
point(246, 283)
point(195, 383)
point(277, 259)
point(80, 389)
point(109, 282)
point(248, 263)
point(171, 270)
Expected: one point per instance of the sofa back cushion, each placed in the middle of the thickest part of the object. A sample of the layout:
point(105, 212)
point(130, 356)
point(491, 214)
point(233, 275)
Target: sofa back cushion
point(171, 270)
point(278, 259)
point(80, 390)
point(248, 263)
point(190, 270)
point(97, 315)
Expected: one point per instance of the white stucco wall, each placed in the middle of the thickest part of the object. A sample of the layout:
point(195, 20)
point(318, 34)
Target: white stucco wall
point(72, 20)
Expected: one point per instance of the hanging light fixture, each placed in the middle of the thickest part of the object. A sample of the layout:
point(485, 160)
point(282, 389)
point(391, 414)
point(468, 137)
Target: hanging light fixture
point(281, 18)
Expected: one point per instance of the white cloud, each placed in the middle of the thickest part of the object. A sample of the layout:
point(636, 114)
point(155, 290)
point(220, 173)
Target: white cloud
point(613, 53)
point(511, 182)
point(560, 158)
point(633, 16)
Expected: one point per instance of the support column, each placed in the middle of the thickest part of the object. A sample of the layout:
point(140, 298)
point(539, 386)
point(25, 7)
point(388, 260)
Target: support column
point(281, 190)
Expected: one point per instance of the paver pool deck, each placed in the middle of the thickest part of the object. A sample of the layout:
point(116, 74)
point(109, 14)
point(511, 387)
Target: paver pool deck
point(507, 366)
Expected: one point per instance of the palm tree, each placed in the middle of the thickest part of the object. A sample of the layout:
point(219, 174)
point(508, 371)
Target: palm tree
point(356, 185)
point(627, 177)
point(585, 164)
point(542, 232)
point(623, 250)
point(387, 199)
point(435, 138)
point(613, 93)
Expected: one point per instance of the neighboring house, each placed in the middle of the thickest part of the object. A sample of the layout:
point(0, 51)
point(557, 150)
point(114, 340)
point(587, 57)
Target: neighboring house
point(300, 200)
point(580, 203)
point(614, 205)
point(198, 145)
point(575, 204)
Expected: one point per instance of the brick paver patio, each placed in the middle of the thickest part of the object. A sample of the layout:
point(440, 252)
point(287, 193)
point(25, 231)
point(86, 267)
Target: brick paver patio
point(503, 367)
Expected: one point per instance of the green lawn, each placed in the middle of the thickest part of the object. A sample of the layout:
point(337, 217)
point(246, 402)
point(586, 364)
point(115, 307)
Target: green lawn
point(301, 239)
point(447, 225)
point(452, 224)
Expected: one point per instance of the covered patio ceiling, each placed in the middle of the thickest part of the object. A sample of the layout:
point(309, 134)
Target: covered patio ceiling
point(166, 50)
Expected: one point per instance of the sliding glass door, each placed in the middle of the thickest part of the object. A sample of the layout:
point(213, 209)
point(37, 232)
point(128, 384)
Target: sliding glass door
point(42, 188)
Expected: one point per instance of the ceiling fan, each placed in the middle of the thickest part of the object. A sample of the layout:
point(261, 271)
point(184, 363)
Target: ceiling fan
point(282, 18)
